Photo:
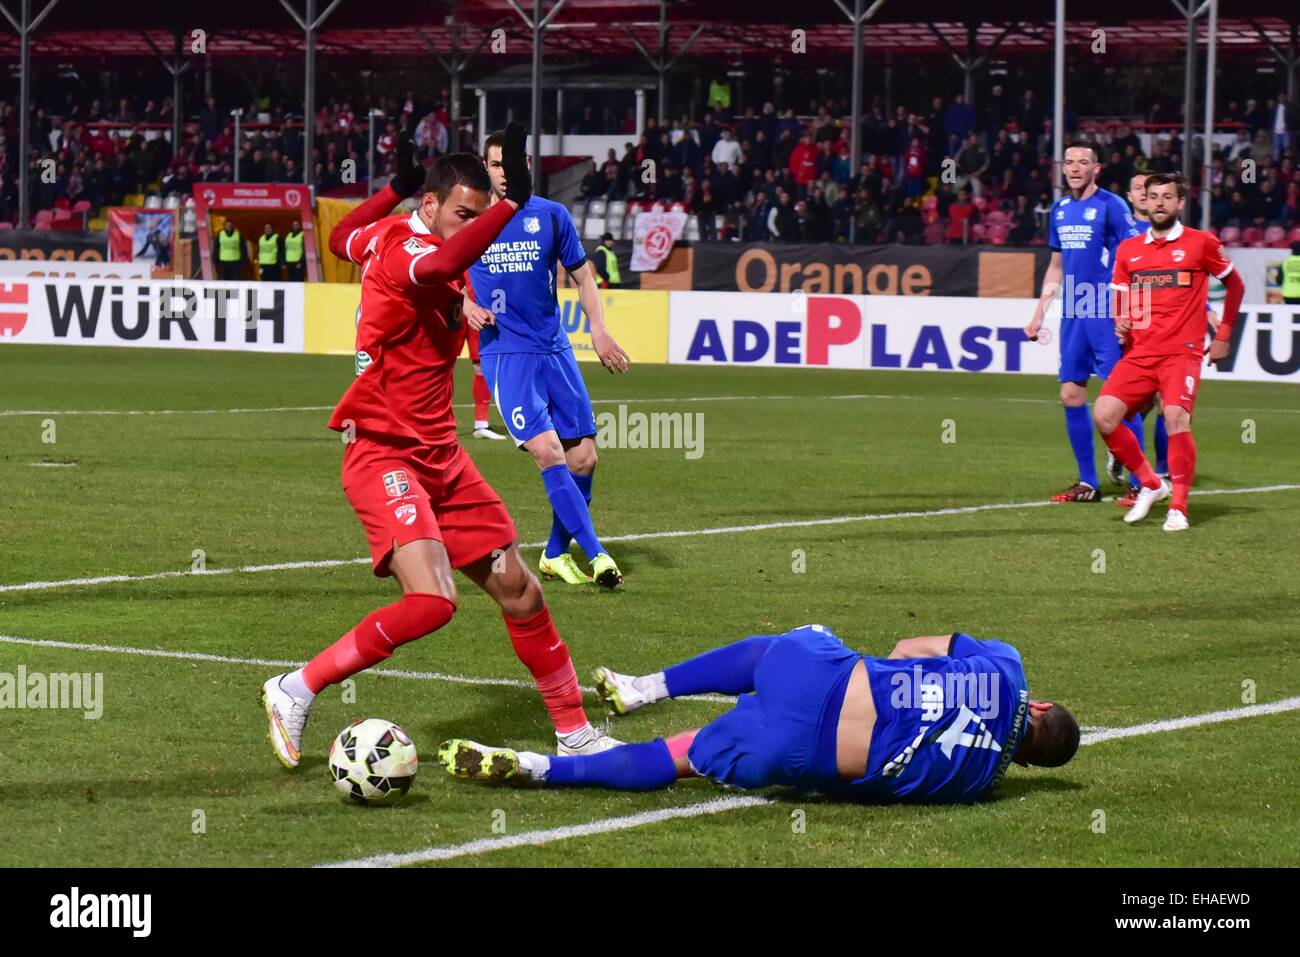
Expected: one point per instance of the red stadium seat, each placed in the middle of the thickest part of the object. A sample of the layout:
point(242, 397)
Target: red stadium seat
point(979, 232)
point(1294, 235)
point(62, 203)
point(677, 208)
point(44, 218)
point(930, 202)
point(929, 216)
point(1251, 236)
point(934, 233)
point(980, 202)
point(81, 206)
point(62, 213)
point(1230, 235)
point(997, 234)
point(995, 217)
point(1275, 236)
point(6, 225)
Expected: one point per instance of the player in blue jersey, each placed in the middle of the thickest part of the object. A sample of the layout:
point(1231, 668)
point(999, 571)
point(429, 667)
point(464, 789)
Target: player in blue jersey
point(530, 368)
point(1085, 227)
point(938, 721)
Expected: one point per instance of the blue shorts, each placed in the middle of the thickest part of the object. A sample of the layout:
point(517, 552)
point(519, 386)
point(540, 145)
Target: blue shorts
point(1088, 348)
point(783, 733)
point(539, 391)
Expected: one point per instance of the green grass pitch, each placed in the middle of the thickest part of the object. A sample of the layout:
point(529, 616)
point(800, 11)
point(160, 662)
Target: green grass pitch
point(177, 770)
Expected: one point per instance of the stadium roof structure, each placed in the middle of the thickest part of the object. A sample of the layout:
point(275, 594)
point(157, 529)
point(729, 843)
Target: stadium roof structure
point(730, 30)
point(724, 32)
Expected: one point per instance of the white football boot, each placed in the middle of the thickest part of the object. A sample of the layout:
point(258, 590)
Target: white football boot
point(486, 433)
point(1146, 498)
point(588, 740)
point(1176, 521)
point(287, 716)
point(620, 692)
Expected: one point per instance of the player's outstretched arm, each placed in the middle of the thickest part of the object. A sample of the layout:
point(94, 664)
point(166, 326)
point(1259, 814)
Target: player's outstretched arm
point(343, 235)
point(1236, 291)
point(610, 353)
point(1051, 286)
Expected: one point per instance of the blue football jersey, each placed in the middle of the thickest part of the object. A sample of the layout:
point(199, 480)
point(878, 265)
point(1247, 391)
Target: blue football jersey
point(515, 279)
point(1085, 232)
point(946, 727)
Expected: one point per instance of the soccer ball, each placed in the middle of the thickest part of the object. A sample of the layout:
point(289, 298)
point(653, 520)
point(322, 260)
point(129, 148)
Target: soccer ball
point(373, 761)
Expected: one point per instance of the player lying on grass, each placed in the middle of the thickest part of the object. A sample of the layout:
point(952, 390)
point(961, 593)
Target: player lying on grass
point(1161, 286)
point(939, 720)
point(424, 506)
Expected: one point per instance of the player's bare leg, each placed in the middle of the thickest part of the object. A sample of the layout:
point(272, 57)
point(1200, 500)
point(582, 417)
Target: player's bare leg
point(1109, 414)
point(428, 602)
point(505, 578)
point(569, 501)
point(1074, 398)
point(1182, 465)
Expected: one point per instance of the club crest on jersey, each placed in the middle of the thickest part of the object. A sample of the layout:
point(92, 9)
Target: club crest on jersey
point(532, 224)
point(1178, 255)
point(413, 245)
point(405, 514)
point(396, 483)
point(1090, 213)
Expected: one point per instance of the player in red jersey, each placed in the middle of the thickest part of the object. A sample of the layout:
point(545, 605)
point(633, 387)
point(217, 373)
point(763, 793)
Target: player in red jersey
point(482, 394)
point(424, 505)
point(1161, 283)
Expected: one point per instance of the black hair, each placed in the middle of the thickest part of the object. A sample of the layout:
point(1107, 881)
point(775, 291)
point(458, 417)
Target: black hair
point(456, 169)
point(1164, 179)
point(1084, 145)
point(1056, 738)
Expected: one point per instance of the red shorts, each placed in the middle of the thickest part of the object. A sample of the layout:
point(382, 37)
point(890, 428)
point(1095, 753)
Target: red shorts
point(1134, 380)
point(404, 493)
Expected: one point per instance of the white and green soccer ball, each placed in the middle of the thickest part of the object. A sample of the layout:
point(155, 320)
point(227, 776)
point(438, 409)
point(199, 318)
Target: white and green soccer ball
point(373, 761)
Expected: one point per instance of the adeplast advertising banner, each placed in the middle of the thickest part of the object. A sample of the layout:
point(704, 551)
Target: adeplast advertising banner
point(923, 334)
point(238, 316)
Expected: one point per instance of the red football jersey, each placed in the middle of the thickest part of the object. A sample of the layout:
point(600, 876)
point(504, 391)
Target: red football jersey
point(1166, 284)
point(408, 337)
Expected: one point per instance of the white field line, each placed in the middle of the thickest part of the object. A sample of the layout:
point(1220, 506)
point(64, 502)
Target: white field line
point(721, 805)
point(283, 663)
point(635, 536)
point(536, 838)
point(8, 413)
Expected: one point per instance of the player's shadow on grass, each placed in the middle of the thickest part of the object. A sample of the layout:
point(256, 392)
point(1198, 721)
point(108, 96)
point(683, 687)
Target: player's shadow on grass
point(1010, 788)
point(1203, 512)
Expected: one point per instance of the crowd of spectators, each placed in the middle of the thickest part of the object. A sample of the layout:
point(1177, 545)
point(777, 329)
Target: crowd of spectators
point(943, 171)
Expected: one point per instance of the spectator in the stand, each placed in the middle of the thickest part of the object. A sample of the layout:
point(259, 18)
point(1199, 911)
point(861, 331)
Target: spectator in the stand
point(996, 111)
point(962, 215)
point(1023, 223)
point(755, 229)
point(1030, 117)
point(803, 163)
point(783, 149)
point(866, 218)
point(687, 154)
point(1256, 118)
point(710, 133)
point(593, 186)
point(972, 163)
point(1284, 120)
point(670, 185)
point(726, 150)
point(785, 224)
point(818, 224)
point(914, 163)
point(958, 122)
point(1042, 210)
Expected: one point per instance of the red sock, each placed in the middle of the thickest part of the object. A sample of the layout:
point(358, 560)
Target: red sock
point(482, 398)
point(1123, 444)
point(1182, 467)
point(375, 637)
point(546, 656)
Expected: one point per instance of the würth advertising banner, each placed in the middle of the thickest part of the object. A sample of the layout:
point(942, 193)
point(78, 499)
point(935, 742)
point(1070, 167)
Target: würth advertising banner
point(246, 316)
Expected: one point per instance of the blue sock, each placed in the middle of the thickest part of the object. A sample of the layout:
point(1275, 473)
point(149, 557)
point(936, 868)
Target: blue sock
point(1137, 426)
point(560, 537)
point(631, 767)
point(1078, 426)
point(569, 506)
point(1162, 446)
point(725, 670)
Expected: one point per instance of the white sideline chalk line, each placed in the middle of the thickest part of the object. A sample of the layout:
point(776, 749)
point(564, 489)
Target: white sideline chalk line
point(719, 805)
point(535, 838)
point(281, 663)
point(633, 537)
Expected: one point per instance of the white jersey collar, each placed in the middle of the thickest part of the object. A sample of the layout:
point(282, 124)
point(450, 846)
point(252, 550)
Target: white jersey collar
point(417, 224)
point(1174, 233)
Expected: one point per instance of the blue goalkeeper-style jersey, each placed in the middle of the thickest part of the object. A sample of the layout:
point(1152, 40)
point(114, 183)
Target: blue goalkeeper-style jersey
point(946, 727)
point(515, 279)
point(1085, 232)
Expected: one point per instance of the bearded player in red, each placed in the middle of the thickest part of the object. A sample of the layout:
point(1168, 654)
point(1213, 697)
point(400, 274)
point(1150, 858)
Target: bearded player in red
point(1161, 282)
point(424, 505)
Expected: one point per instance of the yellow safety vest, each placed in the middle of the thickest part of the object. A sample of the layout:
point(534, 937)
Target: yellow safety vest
point(268, 250)
point(720, 94)
point(1291, 277)
point(228, 246)
point(611, 264)
point(293, 247)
